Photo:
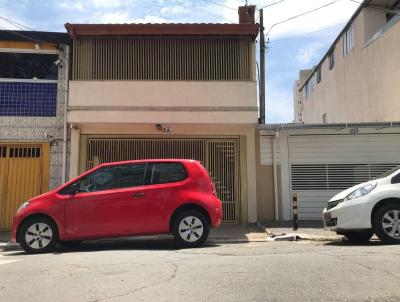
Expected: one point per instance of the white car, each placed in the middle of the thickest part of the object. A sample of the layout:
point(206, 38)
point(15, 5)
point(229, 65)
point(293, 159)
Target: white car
point(365, 209)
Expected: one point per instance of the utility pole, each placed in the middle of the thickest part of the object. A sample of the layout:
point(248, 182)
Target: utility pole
point(262, 69)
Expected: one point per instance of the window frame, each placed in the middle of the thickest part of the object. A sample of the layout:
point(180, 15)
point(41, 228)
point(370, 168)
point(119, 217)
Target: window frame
point(150, 170)
point(331, 59)
point(319, 74)
point(67, 190)
point(395, 179)
point(348, 40)
point(325, 118)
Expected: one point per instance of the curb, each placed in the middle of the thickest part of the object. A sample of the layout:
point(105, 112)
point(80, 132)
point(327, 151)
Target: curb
point(295, 236)
point(9, 246)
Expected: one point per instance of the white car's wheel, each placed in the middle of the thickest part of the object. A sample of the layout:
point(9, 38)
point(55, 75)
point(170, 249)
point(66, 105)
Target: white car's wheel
point(386, 223)
point(38, 235)
point(191, 228)
point(358, 236)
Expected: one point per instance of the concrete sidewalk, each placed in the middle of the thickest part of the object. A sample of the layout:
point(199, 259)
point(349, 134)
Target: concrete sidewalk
point(308, 230)
point(238, 233)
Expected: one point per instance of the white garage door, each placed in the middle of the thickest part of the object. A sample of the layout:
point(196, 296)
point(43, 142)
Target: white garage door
point(323, 165)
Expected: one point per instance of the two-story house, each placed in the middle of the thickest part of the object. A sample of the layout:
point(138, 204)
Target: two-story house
point(169, 91)
point(31, 116)
point(357, 79)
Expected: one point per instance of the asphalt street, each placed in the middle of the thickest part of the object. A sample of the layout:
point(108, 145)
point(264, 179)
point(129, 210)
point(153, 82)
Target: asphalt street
point(154, 270)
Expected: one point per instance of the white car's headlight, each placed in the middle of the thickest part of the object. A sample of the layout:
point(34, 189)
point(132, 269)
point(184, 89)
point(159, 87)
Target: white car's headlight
point(23, 206)
point(364, 190)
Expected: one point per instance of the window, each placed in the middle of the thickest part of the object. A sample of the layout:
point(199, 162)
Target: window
point(21, 152)
point(167, 173)
point(28, 66)
point(395, 179)
point(319, 74)
point(348, 41)
point(310, 87)
point(325, 118)
point(331, 60)
point(22, 89)
point(113, 177)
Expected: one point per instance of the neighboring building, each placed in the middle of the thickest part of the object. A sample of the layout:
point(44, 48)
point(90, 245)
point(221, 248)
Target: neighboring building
point(31, 116)
point(318, 161)
point(298, 99)
point(169, 91)
point(358, 78)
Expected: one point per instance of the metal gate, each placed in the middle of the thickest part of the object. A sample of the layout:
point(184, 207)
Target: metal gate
point(219, 156)
point(22, 176)
point(323, 165)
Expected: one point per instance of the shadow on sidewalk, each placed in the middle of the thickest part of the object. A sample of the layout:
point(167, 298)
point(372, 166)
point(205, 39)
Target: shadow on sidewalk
point(139, 244)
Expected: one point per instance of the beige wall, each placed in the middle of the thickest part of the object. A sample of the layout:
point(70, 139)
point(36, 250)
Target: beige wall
point(364, 85)
point(265, 187)
point(163, 101)
point(163, 93)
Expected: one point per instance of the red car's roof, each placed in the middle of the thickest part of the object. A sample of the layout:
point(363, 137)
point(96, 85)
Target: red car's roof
point(146, 160)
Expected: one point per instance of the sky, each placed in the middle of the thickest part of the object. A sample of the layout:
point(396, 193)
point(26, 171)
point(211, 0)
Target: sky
point(293, 45)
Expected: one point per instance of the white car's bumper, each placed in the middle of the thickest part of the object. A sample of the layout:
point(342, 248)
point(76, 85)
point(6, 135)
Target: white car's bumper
point(349, 215)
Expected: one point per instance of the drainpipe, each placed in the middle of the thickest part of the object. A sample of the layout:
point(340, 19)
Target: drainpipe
point(276, 197)
point(66, 91)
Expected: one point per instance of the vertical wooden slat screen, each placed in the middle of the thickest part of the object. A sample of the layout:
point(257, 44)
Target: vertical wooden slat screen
point(109, 58)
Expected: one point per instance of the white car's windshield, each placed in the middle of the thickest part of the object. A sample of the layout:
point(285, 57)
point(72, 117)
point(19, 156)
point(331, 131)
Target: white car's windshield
point(389, 172)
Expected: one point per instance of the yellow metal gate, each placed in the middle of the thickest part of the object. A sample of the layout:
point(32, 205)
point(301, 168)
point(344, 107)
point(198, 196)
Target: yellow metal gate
point(24, 172)
point(219, 156)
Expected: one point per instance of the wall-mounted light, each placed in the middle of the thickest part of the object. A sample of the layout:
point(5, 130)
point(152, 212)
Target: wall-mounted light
point(163, 129)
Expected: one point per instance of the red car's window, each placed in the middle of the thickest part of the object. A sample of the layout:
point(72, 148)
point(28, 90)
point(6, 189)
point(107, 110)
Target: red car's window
point(112, 177)
point(162, 173)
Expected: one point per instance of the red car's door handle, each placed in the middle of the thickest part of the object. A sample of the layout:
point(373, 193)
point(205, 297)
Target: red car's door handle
point(137, 195)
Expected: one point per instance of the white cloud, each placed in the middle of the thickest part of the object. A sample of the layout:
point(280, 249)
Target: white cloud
point(73, 5)
point(117, 17)
point(173, 10)
point(309, 53)
point(150, 19)
point(107, 4)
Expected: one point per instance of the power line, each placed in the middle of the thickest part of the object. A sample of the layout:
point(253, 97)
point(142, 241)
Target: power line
point(300, 15)
point(272, 4)
point(307, 33)
point(202, 11)
point(16, 24)
point(20, 26)
point(221, 5)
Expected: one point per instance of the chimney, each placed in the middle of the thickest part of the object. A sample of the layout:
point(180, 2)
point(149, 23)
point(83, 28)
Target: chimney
point(246, 14)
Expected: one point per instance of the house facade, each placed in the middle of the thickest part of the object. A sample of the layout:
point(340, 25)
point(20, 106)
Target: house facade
point(168, 91)
point(317, 161)
point(357, 79)
point(31, 116)
point(298, 96)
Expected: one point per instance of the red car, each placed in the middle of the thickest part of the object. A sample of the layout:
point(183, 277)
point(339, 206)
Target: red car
point(142, 197)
